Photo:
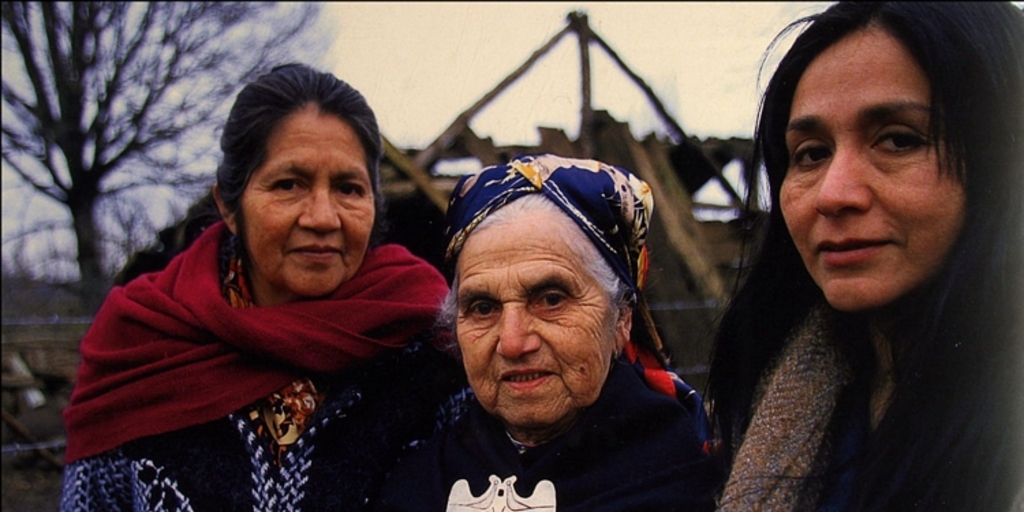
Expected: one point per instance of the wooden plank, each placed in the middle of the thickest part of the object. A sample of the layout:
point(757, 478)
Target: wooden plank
point(555, 141)
point(63, 335)
point(692, 243)
point(415, 173)
point(673, 204)
point(482, 149)
point(13, 422)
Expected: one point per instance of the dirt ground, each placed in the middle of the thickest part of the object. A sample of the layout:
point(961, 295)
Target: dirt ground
point(31, 483)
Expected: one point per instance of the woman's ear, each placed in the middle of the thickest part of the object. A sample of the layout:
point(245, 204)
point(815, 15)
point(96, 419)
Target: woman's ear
point(225, 213)
point(623, 326)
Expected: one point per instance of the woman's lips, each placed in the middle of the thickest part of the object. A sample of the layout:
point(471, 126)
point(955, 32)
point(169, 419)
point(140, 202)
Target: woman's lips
point(525, 380)
point(847, 253)
point(318, 253)
point(524, 377)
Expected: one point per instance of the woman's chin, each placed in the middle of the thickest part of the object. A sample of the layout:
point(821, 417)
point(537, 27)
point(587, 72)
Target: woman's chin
point(855, 301)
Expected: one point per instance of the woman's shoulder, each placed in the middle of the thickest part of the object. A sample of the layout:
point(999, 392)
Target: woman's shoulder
point(420, 364)
point(422, 477)
point(418, 384)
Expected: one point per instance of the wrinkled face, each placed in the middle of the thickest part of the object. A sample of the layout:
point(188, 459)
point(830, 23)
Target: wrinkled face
point(537, 333)
point(864, 198)
point(307, 212)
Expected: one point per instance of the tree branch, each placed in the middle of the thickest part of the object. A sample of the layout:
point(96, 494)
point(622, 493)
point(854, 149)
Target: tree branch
point(111, 94)
point(20, 171)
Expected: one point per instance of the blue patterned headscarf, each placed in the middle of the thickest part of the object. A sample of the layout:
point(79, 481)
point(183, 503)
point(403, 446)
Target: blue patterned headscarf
point(611, 205)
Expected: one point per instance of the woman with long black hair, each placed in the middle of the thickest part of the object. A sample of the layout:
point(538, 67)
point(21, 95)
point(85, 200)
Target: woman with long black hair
point(872, 359)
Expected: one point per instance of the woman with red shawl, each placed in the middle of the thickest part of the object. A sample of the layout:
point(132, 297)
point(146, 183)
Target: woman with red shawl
point(284, 360)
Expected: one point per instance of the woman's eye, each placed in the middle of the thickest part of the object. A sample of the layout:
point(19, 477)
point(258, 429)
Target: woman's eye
point(902, 141)
point(810, 156)
point(480, 308)
point(350, 189)
point(552, 299)
point(285, 185)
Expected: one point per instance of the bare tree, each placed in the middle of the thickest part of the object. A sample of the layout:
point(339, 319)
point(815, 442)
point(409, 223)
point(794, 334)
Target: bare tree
point(104, 99)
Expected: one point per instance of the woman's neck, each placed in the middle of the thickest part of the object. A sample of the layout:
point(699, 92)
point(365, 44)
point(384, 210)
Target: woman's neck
point(531, 437)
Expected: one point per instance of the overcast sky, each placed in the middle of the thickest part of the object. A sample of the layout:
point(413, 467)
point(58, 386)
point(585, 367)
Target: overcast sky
point(421, 64)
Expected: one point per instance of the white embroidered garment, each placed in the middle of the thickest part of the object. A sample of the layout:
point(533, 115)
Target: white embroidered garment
point(501, 496)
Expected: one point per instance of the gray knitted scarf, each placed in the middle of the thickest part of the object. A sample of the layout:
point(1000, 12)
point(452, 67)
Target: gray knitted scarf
point(787, 448)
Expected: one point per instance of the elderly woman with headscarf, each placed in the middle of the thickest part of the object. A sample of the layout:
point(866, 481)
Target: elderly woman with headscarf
point(574, 409)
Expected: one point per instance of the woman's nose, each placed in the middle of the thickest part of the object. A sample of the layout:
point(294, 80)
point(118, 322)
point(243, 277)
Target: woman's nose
point(515, 336)
point(844, 187)
point(319, 213)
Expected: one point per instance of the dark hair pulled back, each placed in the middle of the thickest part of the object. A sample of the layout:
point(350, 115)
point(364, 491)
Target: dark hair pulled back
point(263, 104)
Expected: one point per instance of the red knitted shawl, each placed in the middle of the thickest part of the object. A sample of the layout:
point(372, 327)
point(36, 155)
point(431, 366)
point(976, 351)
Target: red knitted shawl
point(167, 351)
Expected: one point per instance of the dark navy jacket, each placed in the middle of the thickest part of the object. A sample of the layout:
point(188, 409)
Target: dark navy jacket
point(634, 449)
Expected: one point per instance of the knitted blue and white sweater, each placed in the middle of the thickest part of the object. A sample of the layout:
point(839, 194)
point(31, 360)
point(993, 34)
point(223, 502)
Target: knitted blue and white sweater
point(368, 419)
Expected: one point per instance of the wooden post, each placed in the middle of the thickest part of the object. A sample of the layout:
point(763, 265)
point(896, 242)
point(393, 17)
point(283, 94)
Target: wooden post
point(578, 21)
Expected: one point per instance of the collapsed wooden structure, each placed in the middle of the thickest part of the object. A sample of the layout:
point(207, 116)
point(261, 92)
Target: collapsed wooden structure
point(693, 264)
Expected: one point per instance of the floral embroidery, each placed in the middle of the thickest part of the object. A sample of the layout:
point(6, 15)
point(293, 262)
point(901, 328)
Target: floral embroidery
point(283, 416)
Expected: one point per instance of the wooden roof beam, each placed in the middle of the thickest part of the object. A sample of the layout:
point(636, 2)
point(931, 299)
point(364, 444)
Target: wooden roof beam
point(674, 129)
point(416, 174)
point(425, 158)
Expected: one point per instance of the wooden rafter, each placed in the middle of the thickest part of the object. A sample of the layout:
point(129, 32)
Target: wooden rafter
point(577, 23)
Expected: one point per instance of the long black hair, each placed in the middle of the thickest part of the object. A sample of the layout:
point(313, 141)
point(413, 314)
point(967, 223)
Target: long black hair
point(951, 438)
